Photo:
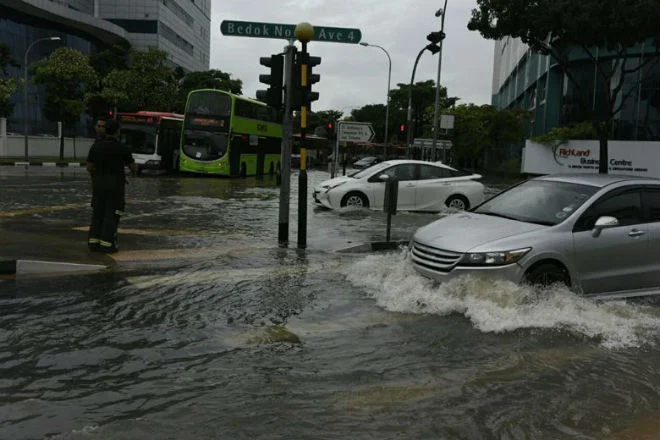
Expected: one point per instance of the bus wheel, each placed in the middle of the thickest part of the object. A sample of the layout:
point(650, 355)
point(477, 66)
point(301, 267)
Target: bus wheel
point(243, 169)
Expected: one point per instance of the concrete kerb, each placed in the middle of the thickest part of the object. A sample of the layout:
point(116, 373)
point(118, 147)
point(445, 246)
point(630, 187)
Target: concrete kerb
point(44, 164)
point(374, 246)
point(26, 267)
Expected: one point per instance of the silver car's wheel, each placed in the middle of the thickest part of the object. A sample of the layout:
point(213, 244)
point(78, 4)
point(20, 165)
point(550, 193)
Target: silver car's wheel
point(547, 274)
point(458, 202)
point(355, 200)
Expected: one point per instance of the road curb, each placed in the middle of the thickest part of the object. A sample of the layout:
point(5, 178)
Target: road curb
point(23, 267)
point(374, 246)
point(43, 164)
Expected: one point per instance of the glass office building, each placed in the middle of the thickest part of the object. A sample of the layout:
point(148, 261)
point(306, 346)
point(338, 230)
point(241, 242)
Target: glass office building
point(525, 79)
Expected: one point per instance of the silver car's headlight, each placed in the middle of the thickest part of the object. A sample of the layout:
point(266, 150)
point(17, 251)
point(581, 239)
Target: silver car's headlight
point(493, 258)
point(333, 186)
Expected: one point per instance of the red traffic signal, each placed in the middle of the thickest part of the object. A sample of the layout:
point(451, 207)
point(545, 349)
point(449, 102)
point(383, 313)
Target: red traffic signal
point(403, 128)
point(329, 125)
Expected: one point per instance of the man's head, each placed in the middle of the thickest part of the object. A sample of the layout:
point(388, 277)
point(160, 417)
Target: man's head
point(112, 128)
point(100, 127)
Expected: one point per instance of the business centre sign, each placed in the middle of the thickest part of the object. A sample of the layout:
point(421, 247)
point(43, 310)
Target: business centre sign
point(639, 158)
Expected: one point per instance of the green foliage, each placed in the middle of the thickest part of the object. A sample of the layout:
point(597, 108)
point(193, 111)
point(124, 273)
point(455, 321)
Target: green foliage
point(423, 101)
point(590, 23)
point(510, 166)
point(148, 83)
point(7, 86)
point(478, 128)
point(67, 76)
point(582, 130)
point(209, 79)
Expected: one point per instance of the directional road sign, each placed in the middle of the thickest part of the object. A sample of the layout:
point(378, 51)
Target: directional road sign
point(287, 31)
point(355, 132)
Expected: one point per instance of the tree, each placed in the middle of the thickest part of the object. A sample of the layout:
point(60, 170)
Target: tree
point(605, 30)
point(479, 129)
point(147, 84)
point(7, 86)
point(423, 98)
point(100, 100)
point(209, 79)
point(67, 75)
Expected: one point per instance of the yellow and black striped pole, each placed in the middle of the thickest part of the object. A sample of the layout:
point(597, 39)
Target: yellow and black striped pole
point(304, 33)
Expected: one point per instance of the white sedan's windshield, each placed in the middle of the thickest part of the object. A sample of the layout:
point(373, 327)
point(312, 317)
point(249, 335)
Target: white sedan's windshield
point(538, 201)
point(366, 172)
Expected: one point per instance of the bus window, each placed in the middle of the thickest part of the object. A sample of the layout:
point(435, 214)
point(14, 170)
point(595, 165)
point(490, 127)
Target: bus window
point(140, 138)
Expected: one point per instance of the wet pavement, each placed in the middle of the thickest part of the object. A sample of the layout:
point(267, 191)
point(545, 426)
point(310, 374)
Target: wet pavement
point(203, 328)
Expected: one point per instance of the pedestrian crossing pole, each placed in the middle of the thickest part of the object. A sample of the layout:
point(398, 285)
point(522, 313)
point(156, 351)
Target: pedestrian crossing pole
point(304, 33)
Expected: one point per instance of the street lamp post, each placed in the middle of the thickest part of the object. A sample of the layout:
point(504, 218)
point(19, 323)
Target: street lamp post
point(387, 105)
point(436, 108)
point(409, 118)
point(25, 94)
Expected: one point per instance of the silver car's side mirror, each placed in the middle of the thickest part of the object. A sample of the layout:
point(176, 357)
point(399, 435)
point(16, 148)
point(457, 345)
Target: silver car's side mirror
point(383, 177)
point(604, 222)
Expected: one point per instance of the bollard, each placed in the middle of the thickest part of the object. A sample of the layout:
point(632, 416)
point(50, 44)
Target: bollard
point(390, 201)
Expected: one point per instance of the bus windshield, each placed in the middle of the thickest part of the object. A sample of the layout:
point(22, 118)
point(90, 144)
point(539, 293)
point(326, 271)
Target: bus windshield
point(204, 145)
point(140, 138)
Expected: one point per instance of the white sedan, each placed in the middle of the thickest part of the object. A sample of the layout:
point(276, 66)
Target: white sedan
point(423, 186)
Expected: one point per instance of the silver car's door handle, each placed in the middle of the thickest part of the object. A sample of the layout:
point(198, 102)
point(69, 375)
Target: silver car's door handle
point(636, 233)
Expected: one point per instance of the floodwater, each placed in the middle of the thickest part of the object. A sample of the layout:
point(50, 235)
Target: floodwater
point(250, 340)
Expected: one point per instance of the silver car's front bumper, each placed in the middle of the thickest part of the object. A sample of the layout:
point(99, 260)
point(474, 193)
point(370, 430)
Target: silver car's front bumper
point(442, 266)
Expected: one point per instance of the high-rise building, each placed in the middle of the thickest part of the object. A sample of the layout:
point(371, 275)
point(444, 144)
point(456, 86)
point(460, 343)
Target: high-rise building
point(524, 79)
point(179, 27)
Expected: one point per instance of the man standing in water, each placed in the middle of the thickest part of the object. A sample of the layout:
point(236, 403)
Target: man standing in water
point(105, 162)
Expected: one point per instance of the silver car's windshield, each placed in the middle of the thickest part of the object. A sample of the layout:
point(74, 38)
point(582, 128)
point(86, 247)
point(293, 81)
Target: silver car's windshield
point(538, 201)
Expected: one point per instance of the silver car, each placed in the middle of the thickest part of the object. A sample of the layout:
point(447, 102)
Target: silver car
point(599, 234)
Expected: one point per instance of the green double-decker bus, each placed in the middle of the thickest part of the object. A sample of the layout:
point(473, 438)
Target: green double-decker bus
point(229, 135)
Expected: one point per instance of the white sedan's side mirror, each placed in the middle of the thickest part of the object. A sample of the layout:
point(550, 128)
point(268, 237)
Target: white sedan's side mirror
point(604, 222)
point(383, 177)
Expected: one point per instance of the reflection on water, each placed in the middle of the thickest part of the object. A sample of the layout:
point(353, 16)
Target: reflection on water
point(242, 339)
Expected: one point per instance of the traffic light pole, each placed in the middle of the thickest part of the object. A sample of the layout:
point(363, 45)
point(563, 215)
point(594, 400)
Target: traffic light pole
point(302, 177)
point(436, 107)
point(287, 143)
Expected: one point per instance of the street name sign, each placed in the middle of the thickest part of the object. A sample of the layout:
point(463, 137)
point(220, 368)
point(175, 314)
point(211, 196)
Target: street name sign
point(355, 132)
point(287, 31)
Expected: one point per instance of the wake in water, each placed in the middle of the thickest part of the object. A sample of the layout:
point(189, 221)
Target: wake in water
point(501, 306)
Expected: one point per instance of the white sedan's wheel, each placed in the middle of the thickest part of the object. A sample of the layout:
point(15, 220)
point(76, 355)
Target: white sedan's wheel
point(355, 200)
point(458, 202)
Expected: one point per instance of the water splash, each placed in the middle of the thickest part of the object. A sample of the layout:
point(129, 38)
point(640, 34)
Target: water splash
point(501, 306)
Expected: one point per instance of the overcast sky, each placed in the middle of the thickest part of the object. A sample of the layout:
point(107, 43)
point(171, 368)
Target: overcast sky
point(353, 75)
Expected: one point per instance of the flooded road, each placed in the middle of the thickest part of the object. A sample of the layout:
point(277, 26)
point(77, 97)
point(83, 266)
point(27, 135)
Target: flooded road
point(242, 339)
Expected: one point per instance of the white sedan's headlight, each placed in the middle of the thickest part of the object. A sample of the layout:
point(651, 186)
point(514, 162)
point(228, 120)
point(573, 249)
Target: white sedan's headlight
point(333, 186)
point(493, 258)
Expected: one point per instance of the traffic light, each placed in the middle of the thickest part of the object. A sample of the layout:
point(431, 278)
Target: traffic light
point(302, 94)
point(402, 128)
point(330, 130)
point(272, 96)
point(435, 38)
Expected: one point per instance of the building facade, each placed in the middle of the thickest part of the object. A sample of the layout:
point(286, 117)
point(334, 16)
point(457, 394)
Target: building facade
point(525, 79)
point(179, 27)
